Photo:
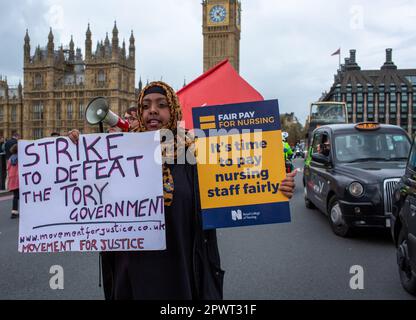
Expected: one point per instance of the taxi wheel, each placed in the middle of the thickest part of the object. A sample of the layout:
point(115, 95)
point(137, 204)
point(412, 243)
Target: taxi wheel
point(308, 203)
point(407, 279)
point(338, 225)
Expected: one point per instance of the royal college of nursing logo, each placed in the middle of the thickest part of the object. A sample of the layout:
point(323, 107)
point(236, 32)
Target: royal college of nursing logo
point(236, 215)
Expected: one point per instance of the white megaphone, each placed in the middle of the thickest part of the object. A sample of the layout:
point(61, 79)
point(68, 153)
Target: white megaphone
point(99, 112)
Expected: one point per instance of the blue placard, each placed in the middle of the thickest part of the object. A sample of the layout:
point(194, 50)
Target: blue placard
point(259, 115)
point(234, 194)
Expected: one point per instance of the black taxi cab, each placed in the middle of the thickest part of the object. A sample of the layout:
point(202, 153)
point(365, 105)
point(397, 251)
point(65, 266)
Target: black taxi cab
point(403, 226)
point(351, 173)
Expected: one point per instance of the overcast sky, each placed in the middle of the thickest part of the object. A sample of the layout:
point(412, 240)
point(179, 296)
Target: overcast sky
point(286, 46)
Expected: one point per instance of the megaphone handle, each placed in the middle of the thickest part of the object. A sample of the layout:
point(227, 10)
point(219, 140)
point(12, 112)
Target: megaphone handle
point(101, 127)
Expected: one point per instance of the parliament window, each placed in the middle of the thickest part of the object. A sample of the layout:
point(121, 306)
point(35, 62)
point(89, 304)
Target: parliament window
point(1, 113)
point(37, 133)
point(69, 111)
point(37, 112)
point(58, 111)
point(81, 112)
point(38, 81)
point(13, 117)
point(101, 77)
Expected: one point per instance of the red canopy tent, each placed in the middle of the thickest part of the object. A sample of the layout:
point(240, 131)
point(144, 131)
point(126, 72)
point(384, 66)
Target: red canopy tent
point(219, 85)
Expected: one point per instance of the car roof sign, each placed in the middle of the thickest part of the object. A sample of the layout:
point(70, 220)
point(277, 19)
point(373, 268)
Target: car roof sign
point(367, 126)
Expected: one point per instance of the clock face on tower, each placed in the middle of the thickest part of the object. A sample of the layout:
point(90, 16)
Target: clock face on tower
point(218, 14)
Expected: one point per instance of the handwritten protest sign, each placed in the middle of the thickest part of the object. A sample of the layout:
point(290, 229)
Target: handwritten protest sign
point(103, 194)
point(241, 165)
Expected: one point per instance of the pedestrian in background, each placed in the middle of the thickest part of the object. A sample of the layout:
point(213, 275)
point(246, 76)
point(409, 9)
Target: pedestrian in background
point(1, 145)
point(9, 143)
point(13, 180)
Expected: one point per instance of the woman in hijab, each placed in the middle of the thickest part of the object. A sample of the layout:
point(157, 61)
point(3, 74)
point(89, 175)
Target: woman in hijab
point(189, 269)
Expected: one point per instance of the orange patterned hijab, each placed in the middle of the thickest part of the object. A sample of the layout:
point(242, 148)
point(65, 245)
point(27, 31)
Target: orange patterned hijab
point(170, 147)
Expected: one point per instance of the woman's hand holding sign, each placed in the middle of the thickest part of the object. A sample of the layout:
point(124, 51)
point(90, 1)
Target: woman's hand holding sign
point(287, 187)
point(74, 135)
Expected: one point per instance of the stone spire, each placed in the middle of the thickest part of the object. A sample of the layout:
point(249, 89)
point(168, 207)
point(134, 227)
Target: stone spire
point(27, 38)
point(50, 46)
point(88, 44)
point(27, 48)
point(61, 54)
point(132, 49)
point(132, 40)
point(98, 49)
point(123, 50)
point(107, 47)
point(114, 42)
point(50, 36)
point(71, 50)
point(20, 89)
point(102, 49)
point(37, 54)
point(140, 84)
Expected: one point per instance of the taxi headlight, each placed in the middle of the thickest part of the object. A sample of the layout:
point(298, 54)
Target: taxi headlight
point(356, 189)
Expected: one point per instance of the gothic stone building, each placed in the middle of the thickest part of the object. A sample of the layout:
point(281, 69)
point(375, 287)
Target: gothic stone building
point(386, 95)
point(221, 28)
point(59, 83)
point(11, 108)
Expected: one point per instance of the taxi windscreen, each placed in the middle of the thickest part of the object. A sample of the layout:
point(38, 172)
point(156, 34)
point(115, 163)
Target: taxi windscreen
point(371, 146)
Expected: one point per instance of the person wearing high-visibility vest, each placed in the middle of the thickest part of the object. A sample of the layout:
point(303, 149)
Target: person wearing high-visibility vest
point(287, 150)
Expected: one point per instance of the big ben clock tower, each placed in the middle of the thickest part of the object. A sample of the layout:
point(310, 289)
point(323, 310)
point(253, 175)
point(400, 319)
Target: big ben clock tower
point(221, 29)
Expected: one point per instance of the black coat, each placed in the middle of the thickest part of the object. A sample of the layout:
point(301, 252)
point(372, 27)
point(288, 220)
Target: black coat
point(207, 273)
point(8, 144)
